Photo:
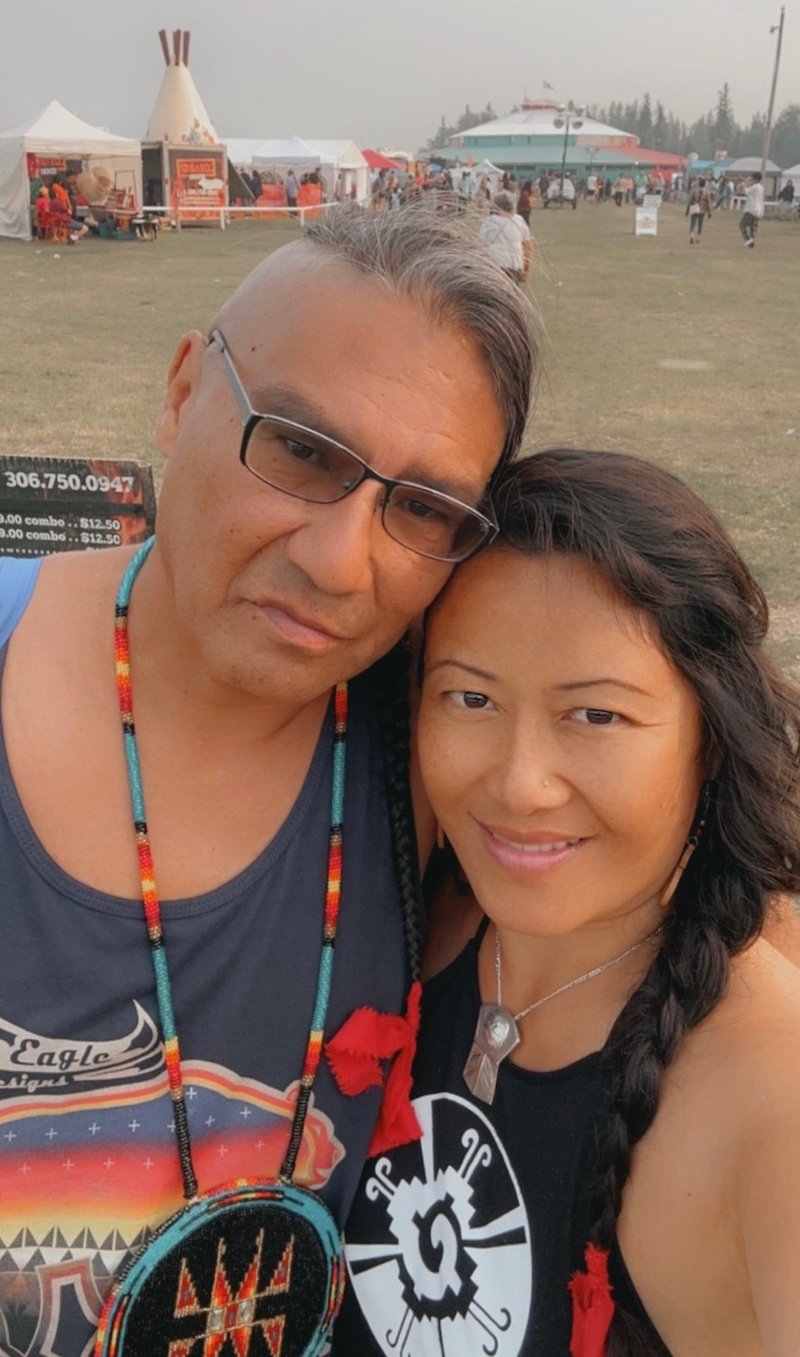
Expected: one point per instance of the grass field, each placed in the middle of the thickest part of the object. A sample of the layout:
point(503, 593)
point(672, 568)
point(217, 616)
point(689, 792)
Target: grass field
point(686, 355)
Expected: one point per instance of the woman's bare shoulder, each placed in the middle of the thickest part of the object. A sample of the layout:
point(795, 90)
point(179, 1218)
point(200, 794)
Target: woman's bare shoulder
point(750, 1045)
point(782, 927)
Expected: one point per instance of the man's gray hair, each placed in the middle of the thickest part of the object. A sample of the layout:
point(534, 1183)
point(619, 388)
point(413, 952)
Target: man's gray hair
point(504, 201)
point(436, 258)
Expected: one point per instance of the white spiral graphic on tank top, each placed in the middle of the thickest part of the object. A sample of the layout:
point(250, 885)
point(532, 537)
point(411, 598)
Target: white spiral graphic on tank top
point(438, 1247)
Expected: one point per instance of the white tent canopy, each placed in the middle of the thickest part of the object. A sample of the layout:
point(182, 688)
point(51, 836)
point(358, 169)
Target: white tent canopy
point(294, 153)
point(246, 151)
point(241, 150)
point(343, 155)
point(749, 164)
point(57, 132)
point(334, 158)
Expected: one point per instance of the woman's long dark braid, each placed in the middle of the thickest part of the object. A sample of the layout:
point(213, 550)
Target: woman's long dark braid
point(686, 980)
point(391, 678)
point(714, 914)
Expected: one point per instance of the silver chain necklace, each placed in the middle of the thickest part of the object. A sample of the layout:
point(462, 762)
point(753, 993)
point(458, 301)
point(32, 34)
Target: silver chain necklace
point(497, 1034)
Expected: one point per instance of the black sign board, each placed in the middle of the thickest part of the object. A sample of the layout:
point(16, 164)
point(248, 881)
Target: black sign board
point(50, 504)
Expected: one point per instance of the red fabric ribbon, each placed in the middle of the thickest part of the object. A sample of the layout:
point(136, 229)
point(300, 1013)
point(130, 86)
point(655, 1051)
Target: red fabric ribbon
point(592, 1306)
point(354, 1055)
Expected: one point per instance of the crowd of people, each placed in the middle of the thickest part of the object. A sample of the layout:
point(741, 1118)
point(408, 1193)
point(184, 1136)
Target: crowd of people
point(550, 1096)
point(69, 204)
point(55, 206)
point(291, 183)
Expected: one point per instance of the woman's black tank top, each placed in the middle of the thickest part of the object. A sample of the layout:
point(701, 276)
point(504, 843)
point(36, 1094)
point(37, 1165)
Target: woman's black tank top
point(464, 1243)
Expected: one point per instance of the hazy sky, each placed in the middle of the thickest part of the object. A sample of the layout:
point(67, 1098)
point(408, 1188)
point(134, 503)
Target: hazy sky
point(384, 71)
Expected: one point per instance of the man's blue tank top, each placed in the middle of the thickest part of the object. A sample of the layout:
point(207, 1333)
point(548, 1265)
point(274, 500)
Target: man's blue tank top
point(88, 1163)
point(17, 582)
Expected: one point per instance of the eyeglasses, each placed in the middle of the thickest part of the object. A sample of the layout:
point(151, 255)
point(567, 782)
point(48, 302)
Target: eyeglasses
point(312, 467)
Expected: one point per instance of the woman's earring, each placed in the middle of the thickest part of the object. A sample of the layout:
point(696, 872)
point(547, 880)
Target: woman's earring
point(672, 885)
point(693, 840)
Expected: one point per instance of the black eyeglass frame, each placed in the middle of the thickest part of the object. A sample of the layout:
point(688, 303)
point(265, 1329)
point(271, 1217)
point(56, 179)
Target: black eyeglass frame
point(251, 418)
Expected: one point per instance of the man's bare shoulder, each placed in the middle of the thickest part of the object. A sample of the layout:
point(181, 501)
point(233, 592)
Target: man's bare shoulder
point(85, 571)
point(73, 590)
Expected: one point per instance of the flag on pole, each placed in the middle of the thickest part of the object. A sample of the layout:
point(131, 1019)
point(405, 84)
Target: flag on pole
point(546, 85)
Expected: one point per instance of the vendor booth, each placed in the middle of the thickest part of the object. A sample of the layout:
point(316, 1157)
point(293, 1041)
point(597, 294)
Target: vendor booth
point(333, 169)
point(345, 172)
point(274, 161)
point(185, 164)
point(58, 142)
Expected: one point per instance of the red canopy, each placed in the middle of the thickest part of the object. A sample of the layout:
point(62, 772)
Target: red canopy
point(376, 161)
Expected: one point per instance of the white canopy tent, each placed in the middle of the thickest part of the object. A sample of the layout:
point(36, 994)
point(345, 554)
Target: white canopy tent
point(343, 161)
point(486, 167)
point(749, 165)
point(294, 153)
point(336, 159)
point(56, 132)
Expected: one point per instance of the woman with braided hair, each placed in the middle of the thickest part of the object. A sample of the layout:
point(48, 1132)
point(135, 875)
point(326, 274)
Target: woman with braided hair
point(608, 1074)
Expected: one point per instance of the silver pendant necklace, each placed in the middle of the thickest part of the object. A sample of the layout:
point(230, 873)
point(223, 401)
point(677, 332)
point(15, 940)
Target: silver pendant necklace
point(497, 1033)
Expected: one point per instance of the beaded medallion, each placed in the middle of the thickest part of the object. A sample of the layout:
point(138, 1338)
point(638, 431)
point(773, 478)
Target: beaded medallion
point(251, 1268)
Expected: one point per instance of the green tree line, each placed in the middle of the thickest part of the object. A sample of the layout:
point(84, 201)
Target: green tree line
point(444, 131)
point(715, 133)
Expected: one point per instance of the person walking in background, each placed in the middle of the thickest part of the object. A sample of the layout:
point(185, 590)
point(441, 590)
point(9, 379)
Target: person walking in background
point(753, 211)
point(292, 189)
point(724, 194)
point(508, 238)
point(697, 209)
point(525, 202)
point(786, 198)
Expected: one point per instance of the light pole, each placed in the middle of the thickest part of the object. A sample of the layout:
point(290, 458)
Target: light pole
point(776, 28)
point(569, 117)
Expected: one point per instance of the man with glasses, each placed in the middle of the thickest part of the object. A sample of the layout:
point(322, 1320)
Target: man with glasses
point(328, 446)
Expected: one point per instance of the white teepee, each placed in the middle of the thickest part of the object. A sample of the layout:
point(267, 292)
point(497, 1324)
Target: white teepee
point(179, 115)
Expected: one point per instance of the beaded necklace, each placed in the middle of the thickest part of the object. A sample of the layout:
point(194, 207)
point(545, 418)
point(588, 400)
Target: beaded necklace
point(260, 1231)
